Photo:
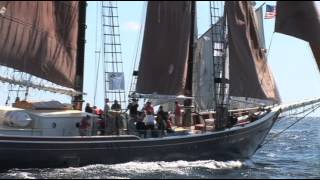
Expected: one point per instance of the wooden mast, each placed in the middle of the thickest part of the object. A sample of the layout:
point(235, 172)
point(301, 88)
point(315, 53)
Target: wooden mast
point(78, 100)
point(188, 88)
point(220, 80)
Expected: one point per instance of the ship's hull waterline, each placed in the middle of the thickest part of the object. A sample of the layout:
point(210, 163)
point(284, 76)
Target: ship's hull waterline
point(42, 152)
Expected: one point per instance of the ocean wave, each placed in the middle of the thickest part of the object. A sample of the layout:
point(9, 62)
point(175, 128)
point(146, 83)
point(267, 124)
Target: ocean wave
point(20, 175)
point(132, 169)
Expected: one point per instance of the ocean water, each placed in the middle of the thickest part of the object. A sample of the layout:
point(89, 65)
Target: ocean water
point(294, 154)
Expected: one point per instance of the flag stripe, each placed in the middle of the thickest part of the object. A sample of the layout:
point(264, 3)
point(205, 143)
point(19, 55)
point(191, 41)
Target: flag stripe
point(270, 12)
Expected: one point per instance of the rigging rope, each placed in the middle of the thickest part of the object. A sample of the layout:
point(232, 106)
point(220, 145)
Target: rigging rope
point(297, 113)
point(270, 46)
point(138, 42)
point(97, 55)
point(281, 132)
point(246, 102)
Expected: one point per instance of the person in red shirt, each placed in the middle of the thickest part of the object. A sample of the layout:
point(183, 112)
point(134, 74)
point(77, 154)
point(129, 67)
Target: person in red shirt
point(150, 120)
point(84, 126)
point(149, 109)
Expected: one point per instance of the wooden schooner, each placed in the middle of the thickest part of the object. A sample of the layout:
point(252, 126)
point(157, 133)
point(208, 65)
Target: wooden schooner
point(226, 64)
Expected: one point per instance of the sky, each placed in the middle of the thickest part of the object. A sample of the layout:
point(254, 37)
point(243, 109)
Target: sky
point(290, 59)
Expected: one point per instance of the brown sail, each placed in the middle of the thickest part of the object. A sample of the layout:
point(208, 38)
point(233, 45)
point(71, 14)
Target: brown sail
point(163, 65)
point(40, 38)
point(249, 72)
point(301, 20)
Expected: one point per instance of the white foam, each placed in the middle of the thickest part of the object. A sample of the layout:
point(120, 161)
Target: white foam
point(120, 171)
point(22, 175)
point(175, 165)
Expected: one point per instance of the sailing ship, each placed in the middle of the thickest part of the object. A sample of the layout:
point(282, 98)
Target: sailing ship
point(172, 67)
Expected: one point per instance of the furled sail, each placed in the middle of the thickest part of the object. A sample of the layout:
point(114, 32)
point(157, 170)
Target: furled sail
point(40, 38)
point(301, 20)
point(165, 50)
point(249, 72)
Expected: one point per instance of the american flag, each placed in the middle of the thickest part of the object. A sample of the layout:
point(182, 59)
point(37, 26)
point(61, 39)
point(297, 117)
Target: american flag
point(270, 12)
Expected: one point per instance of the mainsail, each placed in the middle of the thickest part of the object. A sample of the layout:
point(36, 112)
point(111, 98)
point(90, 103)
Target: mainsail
point(41, 38)
point(301, 20)
point(249, 72)
point(165, 51)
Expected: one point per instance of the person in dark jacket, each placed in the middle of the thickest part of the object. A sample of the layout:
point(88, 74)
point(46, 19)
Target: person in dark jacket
point(88, 109)
point(133, 109)
point(140, 125)
point(162, 117)
point(116, 106)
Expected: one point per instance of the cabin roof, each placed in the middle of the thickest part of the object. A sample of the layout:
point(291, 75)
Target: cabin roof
point(49, 113)
point(60, 113)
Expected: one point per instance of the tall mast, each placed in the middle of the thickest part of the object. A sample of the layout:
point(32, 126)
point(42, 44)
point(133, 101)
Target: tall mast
point(219, 47)
point(188, 87)
point(78, 100)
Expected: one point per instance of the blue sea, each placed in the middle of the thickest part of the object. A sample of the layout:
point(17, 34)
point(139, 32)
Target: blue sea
point(294, 154)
